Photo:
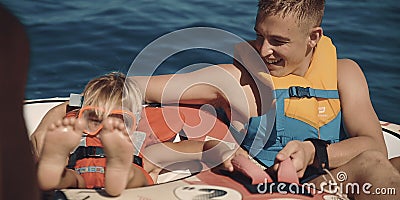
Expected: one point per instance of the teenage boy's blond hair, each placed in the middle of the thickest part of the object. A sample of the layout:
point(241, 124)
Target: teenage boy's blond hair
point(307, 12)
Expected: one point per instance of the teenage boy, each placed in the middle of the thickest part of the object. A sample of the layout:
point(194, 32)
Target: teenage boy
point(313, 92)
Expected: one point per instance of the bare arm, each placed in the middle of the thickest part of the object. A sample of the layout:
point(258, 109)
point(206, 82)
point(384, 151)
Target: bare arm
point(202, 86)
point(360, 119)
point(218, 85)
point(37, 137)
point(211, 152)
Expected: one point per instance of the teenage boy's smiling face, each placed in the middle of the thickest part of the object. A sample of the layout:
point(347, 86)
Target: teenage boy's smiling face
point(282, 44)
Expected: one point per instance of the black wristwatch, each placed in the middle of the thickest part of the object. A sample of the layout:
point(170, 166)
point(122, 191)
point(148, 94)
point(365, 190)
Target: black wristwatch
point(321, 160)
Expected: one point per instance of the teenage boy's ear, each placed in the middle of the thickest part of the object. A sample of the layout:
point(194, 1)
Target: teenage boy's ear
point(315, 36)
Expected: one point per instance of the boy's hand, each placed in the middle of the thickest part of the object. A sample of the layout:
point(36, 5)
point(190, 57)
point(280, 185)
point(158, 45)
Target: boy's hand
point(301, 153)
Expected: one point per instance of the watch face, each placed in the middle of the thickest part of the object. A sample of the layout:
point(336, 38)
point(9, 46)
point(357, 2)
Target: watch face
point(192, 192)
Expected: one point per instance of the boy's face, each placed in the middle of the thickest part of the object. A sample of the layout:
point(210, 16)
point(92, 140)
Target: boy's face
point(282, 44)
point(94, 117)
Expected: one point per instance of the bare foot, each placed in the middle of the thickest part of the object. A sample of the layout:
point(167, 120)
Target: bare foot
point(61, 138)
point(119, 152)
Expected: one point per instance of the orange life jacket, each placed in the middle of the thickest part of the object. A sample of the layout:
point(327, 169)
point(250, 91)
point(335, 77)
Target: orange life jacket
point(160, 125)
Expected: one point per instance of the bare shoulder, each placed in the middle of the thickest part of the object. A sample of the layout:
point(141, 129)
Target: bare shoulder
point(346, 66)
point(350, 74)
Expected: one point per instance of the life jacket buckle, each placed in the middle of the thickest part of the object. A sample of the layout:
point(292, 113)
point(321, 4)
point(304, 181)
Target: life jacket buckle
point(89, 152)
point(299, 92)
point(94, 152)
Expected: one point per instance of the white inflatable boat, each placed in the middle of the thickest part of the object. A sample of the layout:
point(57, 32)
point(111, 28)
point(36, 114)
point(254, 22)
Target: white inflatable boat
point(205, 185)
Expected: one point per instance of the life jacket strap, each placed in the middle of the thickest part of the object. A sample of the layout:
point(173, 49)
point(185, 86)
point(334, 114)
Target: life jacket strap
point(302, 92)
point(94, 152)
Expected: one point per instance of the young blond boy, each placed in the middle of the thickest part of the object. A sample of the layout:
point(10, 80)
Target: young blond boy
point(108, 117)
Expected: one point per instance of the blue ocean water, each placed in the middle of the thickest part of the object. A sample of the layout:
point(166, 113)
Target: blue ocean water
point(74, 41)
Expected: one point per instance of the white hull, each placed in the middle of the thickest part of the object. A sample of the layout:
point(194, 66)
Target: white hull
point(34, 110)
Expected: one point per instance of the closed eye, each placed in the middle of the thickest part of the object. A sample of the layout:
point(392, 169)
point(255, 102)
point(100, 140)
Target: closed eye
point(278, 42)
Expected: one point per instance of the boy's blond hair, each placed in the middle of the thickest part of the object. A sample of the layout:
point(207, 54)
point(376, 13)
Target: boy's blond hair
point(113, 89)
point(308, 12)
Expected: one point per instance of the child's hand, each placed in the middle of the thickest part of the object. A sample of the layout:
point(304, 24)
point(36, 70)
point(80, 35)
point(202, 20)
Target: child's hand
point(227, 161)
point(219, 155)
point(229, 155)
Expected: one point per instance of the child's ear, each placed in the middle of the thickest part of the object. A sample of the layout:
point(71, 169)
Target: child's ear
point(315, 36)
